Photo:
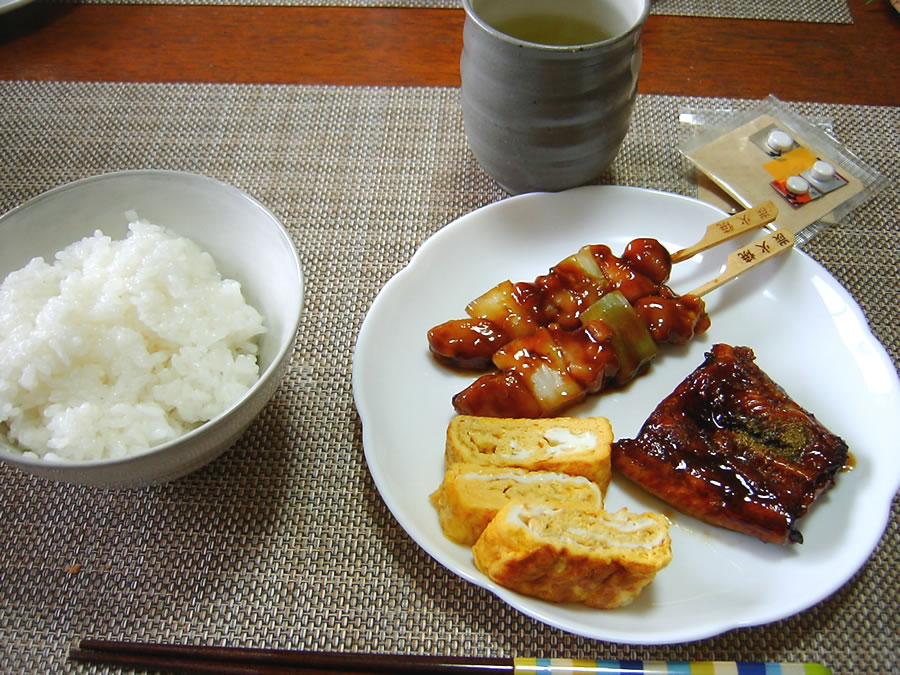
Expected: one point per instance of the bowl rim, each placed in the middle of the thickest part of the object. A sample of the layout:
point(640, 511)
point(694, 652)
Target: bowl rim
point(22, 460)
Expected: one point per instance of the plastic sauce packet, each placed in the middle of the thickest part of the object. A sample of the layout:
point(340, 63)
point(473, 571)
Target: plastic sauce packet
point(768, 152)
point(707, 191)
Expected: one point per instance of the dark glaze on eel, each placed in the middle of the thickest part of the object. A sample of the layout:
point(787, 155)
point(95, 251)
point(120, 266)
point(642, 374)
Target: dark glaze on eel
point(731, 448)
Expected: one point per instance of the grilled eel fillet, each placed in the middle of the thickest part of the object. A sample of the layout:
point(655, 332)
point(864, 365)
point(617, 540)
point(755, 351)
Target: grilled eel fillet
point(731, 448)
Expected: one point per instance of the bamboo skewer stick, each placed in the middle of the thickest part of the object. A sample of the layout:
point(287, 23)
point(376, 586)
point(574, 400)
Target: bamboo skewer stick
point(748, 257)
point(730, 227)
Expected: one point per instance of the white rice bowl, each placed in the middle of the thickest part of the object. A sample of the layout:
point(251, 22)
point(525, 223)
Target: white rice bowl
point(106, 384)
point(121, 345)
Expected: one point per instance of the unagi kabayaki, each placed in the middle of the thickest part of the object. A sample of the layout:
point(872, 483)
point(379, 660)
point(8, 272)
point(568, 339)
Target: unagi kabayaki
point(731, 448)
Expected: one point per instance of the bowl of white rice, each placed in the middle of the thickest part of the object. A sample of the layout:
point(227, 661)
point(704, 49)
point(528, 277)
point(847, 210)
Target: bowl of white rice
point(146, 318)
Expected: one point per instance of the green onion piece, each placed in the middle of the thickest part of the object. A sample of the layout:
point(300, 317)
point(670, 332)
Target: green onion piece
point(632, 342)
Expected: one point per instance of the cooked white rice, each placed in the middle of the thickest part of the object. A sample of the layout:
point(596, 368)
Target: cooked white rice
point(119, 346)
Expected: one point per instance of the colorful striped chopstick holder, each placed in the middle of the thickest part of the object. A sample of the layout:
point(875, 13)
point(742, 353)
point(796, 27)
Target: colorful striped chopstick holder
point(526, 666)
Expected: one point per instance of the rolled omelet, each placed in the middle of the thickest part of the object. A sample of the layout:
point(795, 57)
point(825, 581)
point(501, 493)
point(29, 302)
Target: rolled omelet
point(472, 494)
point(564, 554)
point(579, 446)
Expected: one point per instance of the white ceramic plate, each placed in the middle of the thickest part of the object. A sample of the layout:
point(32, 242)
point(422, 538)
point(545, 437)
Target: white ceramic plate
point(808, 335)
point(9, 5)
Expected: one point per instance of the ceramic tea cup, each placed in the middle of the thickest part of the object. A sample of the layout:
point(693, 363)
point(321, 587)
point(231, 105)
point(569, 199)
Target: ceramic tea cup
point(548, 87)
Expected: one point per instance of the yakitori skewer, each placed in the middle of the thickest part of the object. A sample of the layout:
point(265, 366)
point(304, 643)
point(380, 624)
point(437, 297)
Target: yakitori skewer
point(542, 374)
point(514, 310)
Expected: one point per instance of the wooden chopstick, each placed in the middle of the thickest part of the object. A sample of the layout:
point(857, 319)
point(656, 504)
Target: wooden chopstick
point(730, 227)
point(244, 661)
point(247, 660)
point(161, 663)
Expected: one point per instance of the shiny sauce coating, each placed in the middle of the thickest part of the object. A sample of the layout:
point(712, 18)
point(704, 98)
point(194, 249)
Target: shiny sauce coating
point(543, 374)
point(671, 318)
point(466, 343)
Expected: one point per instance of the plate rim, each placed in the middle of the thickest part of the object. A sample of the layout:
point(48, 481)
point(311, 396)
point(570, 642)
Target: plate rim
point(9, 5)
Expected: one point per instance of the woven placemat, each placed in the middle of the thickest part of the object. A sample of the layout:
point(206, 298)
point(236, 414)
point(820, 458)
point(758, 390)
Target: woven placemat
point(813, 11)
point(284, 540)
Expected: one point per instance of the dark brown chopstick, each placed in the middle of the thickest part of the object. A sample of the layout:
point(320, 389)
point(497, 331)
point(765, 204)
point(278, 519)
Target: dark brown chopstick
point(247, 660)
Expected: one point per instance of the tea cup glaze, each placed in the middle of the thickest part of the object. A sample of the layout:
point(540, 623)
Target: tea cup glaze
point(547, 117)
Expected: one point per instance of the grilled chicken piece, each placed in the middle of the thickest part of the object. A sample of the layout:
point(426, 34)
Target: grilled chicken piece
point(731, 448)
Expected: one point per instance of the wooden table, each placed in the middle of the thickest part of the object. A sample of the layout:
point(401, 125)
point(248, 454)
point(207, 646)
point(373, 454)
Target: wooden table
point(828, 63)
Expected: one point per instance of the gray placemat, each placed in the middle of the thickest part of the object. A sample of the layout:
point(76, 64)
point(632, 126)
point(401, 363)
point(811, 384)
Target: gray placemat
point(814, 11)
point(284, 540)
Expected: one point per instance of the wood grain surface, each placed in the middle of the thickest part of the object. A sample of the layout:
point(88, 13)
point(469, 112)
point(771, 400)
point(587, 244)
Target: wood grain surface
point(833, 63)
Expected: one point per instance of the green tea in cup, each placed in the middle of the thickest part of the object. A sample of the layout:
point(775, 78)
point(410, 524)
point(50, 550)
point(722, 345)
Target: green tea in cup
point(553, 29)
